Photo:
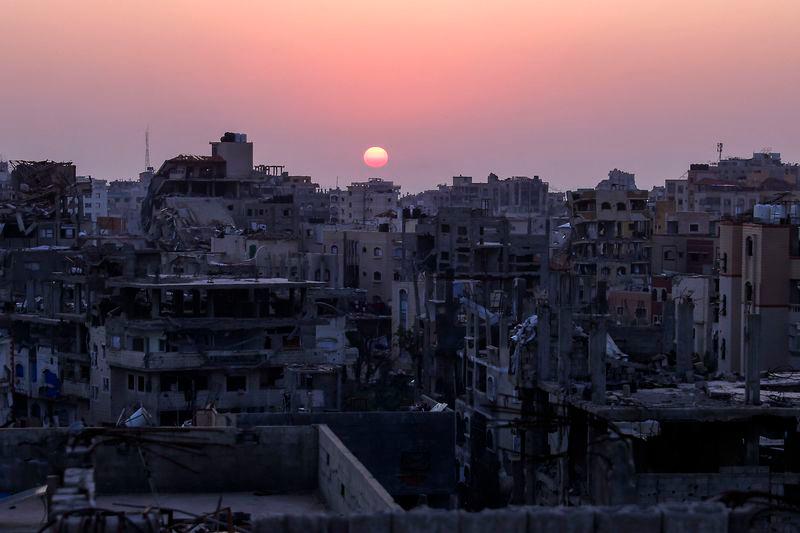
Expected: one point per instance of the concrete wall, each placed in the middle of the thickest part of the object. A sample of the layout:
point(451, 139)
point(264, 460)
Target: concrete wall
point(282, 459)
point(28, 455)
point(345, 484)
point(409, 453)
point(705, 517)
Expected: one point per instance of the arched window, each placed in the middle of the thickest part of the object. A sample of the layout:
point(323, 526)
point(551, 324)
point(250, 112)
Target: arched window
point(19, 371)
point(377, 252)
point(491, 388)
point(376, 276)
point(334, 249)
point(605, 206)
point(621, 271)
point(748, 244)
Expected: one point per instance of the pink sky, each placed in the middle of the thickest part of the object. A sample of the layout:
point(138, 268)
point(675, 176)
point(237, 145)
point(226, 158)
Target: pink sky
point(563, 89)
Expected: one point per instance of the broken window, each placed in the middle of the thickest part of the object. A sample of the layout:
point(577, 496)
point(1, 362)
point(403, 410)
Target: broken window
point(236, 383)
point(137, 344)
point(271, 378)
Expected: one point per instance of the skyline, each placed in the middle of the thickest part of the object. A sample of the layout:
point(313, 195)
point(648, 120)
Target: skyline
point(566, 92)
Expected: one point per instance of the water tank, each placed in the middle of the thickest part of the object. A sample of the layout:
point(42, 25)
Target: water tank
point(778, 213)
point(762, 212)
point(794, 213)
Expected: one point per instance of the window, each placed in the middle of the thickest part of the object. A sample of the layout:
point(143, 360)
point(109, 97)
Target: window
point(694, 228)
point(398, 253)
point(748, 292)
point(271, 378)
point(621, 206)
point(377, 252)
point(445, 228)
point(605, 206)
point(462, 230)
point(376, 276)
point(137, 344)
point(105, 385)
point(444, 256)
point(749, 247)
point(396, 276)
point(490, 440)
point(140, 383)
point(131, 382)
point(236, 383)
point(334, 249)
point(19, 371)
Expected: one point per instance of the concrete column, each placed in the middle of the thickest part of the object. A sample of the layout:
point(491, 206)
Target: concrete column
point(668, 323)
point(155, 302)
point(752, 375)
point(565, 329)
point(597, 361)
point(685, 343)
point(543, 344)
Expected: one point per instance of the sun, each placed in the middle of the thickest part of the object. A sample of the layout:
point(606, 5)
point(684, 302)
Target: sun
point(376, 157)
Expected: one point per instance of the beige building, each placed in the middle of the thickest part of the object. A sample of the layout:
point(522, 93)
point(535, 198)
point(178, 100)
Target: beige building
point(369, 260)
point(759, 272)
point(363, 202)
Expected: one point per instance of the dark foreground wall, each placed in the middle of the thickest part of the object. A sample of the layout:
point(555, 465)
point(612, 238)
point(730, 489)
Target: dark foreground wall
point(409, 453)
point(279, 459)
point(678, 518)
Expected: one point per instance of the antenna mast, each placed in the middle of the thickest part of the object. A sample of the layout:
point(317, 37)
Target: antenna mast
point(719, 151)
point(147, 148)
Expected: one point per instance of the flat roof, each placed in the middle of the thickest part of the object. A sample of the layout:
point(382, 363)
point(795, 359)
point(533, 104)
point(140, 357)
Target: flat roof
point(211, 282)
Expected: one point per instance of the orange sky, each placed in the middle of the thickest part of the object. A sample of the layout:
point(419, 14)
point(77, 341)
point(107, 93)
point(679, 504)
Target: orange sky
point(563, 89)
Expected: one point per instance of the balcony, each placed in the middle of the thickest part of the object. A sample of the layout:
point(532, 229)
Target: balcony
point(212, 358)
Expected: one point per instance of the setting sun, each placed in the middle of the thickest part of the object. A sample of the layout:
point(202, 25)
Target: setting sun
point(376, 157)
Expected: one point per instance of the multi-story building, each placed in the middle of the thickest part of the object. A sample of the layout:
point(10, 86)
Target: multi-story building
point(684, 241)
point(369, 260)
point(518, 195)
point(125, 199)
point(95, 200)
point(362, 202)
point(611, 232)
point(758, 274)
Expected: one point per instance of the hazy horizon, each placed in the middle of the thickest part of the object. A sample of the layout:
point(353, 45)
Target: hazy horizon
point(565, 91)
